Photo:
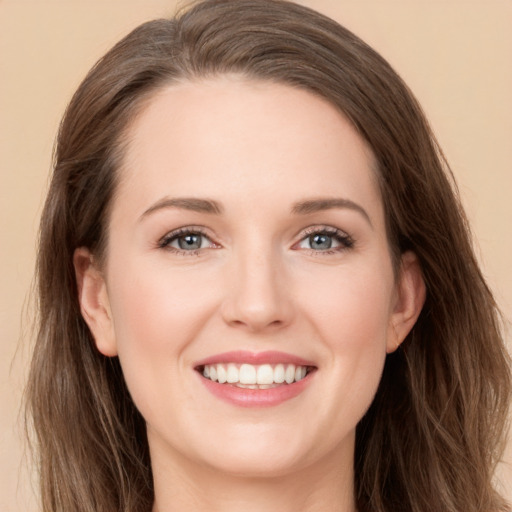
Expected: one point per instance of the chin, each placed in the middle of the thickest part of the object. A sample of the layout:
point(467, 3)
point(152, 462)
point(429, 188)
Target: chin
point(272, 451)
point(250, 463)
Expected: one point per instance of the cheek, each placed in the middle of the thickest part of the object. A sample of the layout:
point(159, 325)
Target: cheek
point(352, 320)
point(156, 316)
point(353, 310)
point(155, 307)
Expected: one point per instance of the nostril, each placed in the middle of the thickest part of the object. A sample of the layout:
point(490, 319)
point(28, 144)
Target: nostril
point(257, 301)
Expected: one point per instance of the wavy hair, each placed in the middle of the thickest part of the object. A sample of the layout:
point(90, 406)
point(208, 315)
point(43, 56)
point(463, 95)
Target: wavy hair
point(433, 435)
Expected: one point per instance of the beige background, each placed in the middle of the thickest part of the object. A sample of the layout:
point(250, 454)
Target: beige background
point(455, 55)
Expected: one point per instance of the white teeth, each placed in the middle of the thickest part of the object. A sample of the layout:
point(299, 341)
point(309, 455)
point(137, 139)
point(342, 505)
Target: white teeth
point(289, 374)
point(254, 377)
point(221, 374)
point(279, 374)
point(265, 374)
point(233, 373)
point(300, 373)
point(247, 386)
point(247, 374)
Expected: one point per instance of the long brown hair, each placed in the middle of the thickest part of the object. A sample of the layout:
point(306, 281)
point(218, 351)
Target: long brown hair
point(432, 437)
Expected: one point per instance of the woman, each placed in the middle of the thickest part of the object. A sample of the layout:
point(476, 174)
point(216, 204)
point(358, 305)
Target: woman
point(257, 287)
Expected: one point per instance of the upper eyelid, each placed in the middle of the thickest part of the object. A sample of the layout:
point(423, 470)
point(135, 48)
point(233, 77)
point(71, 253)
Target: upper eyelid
point(327, 229)
point(184, 230)
point(170, 236)
point(303, 233)
point(322, 228)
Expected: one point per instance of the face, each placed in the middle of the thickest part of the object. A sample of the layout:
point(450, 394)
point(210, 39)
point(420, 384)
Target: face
point(248, 288)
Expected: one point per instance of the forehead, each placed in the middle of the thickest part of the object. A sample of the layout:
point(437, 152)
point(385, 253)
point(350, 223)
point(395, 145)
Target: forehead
point(228, 136)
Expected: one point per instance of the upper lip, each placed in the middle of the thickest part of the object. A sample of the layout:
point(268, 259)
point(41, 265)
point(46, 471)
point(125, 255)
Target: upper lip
point(255, 358)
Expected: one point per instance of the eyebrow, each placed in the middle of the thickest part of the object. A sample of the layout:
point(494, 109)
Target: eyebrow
point(321, 204)
point(213, 207)
point(185, 203)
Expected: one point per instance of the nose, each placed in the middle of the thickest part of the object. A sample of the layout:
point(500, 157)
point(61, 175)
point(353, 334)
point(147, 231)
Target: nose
point(258, 296)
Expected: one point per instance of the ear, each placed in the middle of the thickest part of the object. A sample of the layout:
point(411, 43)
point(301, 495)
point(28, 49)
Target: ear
point(94, 303)
point(411, 293)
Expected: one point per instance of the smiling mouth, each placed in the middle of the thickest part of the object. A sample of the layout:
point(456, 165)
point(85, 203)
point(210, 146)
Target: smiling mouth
point(248, 376)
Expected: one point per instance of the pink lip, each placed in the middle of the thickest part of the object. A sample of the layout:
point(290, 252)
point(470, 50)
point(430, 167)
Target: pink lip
point(243, 356)
point(242, 397)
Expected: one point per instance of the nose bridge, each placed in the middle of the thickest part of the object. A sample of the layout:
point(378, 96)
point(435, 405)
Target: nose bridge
point(257, 297)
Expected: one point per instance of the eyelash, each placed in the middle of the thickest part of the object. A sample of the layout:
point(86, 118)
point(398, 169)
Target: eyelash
point(346, 241)
point(165, 242)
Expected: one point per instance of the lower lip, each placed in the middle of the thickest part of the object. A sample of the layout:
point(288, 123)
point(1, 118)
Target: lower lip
point(243, 397)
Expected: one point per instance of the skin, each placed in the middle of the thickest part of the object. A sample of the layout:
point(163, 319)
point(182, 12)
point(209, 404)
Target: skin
point(257, 283)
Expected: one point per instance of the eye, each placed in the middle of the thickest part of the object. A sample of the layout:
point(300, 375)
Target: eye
point(325, 240)
point(186, 240)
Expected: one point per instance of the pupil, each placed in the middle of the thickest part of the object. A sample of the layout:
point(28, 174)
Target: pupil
point(190, 242)
point(320, 241)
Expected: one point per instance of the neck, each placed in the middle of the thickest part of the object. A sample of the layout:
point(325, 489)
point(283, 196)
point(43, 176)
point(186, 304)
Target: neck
point(326, 486)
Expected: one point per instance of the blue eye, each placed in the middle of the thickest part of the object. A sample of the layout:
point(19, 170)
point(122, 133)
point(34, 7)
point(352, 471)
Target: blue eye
point(323, 240)
point(186, 240)
point(320, 241)
point(190, 242)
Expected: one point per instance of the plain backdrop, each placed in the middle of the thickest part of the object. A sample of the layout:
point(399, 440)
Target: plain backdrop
point(455, 55)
